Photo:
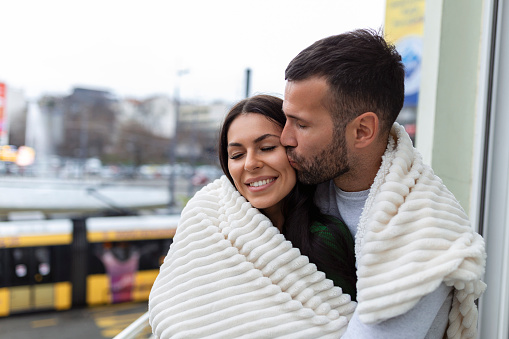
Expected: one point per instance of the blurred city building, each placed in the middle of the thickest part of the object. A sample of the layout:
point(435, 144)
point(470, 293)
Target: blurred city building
point(89, 123)
point(156, 114)
point(89, 130)
point(199, 131)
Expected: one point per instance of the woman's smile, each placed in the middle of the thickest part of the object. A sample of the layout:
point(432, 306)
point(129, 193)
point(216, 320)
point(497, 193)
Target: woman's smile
point(260, 184)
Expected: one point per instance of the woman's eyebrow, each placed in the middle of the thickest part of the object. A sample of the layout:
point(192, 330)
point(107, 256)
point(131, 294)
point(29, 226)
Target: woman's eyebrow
point(257, 140)
point(265, 136)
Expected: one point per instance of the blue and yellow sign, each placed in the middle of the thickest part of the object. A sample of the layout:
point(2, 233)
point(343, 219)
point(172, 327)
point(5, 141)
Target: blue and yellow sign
point(404, 26)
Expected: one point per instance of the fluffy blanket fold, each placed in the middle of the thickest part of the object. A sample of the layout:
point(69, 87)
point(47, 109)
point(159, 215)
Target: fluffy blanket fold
point(230, 274)
point(412, 236)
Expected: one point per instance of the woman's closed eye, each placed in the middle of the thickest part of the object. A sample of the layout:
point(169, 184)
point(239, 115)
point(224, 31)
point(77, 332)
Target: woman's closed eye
point(234, 156)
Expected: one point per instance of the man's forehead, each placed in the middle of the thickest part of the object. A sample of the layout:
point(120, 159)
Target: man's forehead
point(290, 110)
point(298, 103)
point(286, 106)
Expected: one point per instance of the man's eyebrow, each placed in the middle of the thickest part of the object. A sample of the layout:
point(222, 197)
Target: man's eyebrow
point(295, 117)
point(291, 116)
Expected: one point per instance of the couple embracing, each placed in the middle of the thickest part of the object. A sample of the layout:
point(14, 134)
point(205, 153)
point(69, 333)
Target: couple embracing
point(326, 223)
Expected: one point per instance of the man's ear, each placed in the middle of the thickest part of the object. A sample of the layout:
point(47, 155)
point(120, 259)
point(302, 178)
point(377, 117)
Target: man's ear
point(365, 129)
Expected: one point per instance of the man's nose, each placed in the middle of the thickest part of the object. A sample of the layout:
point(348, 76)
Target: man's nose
point(287, 138)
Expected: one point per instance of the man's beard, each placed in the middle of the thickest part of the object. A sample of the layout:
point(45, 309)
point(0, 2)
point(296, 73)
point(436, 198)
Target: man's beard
point(330, 163)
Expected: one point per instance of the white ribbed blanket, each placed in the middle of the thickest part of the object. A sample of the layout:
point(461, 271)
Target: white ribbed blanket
point(412, 236)
point(230, 274)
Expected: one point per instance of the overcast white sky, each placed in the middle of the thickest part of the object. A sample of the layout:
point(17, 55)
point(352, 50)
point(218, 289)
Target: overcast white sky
point(135, 48)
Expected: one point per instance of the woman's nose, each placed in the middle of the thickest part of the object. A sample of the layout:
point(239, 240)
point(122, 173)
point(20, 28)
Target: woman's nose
point(252, 162)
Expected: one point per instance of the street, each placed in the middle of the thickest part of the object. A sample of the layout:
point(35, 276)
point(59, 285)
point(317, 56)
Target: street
point(22, 195)
point(80, 323)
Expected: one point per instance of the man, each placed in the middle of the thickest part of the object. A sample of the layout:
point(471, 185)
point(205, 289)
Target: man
point(418, 261)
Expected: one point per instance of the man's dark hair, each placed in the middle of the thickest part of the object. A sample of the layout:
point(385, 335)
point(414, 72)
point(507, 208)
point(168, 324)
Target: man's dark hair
point(363, 71)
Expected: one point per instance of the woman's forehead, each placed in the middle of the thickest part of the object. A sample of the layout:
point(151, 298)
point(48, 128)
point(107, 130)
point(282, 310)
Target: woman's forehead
point(252, 124)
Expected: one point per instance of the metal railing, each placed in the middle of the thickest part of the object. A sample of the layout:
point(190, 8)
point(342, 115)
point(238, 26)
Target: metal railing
point(136, 327)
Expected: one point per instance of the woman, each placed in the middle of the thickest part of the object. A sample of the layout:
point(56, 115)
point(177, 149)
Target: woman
point(231, 271)
point(246, 157)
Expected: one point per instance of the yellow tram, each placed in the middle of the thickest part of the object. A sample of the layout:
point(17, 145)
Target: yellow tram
point(59, 264)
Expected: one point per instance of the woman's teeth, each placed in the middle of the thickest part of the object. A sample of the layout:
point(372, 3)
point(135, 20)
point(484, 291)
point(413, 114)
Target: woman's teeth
point(261, 182)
